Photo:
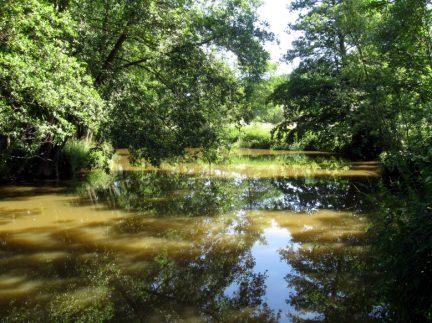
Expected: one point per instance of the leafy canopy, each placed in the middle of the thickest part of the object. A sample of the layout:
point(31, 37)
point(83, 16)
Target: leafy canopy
point(45, 94)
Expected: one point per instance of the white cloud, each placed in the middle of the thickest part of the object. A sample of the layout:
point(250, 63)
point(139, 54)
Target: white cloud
point(277, 14)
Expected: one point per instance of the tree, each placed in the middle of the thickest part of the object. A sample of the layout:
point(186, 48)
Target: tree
point(46, 96)
point(146, 74)
point(364, 87)
point(405, 43)
point(325, 98)
point(260, 107)
point(363, 84)
point(158, 64)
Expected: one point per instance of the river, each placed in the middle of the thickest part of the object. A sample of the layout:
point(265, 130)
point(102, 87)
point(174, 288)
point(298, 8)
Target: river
point(263, 236)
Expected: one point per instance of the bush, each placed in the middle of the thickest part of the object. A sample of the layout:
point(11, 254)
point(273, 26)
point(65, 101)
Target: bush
point(233, 135)
point(256, 136)
point(409, 167)
point(4, 169)
point(402, 231)
point(84, 154)
point(100, 156)
point(76, 153)
point(403, 248)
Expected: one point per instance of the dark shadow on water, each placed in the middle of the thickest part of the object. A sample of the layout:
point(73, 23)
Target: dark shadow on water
point(166, 246)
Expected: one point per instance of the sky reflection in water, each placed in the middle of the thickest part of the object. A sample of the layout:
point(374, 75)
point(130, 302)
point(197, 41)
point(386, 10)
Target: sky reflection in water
point(247, 240)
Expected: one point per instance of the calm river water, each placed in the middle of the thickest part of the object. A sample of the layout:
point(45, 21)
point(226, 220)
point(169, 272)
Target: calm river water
point(263, 236)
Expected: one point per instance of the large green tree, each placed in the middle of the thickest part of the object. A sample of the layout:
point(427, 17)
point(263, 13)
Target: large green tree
point(148, 75)
point(46, 96)
point(159, 64)
point(405, 84)
point(363, 84)
point(326, 97)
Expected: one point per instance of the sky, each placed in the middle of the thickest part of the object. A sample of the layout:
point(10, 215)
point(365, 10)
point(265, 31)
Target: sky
point(276, 13)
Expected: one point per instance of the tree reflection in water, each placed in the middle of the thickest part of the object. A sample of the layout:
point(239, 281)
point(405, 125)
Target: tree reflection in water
point(330, 282)
point(173, 194)
point(183, 240)
point(175, 282)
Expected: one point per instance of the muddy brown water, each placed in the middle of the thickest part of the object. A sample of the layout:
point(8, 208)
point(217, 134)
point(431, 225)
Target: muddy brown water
point(262, 237)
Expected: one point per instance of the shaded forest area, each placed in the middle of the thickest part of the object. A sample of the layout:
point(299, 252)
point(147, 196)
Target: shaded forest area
point(154, 76)
point(78, 78)
point(147, 75)
point(364, 88)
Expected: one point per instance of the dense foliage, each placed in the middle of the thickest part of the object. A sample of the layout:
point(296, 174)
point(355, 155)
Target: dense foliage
point(364, 82)
point(77, 76)
point(260, 106)
point(148, 75)
point(46, 96)
point(364, 87)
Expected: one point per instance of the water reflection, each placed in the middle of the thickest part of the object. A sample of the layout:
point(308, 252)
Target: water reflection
point(167, 245)
point(261, 164)
point(174, 194)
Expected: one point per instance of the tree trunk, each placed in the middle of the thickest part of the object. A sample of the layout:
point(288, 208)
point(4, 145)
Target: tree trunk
point(107, 64)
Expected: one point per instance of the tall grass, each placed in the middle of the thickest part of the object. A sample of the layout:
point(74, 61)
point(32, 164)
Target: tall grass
point(256, 135)
point(76, 153)
point(84, 154)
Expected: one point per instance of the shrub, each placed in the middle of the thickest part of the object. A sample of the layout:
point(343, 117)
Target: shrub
point(76, 153)
point(100, 156)
point(4, 169)
point(403, 248)
point(233, 135)
point(257, 136)
point(84, 154)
